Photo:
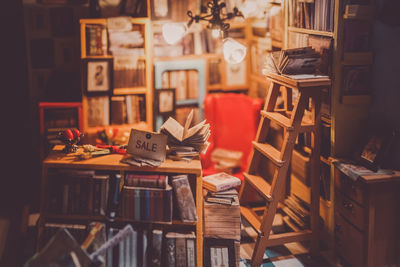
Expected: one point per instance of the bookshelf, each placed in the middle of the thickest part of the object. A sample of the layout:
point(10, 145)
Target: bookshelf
point(265, 36)
point(343, 114)
point(198, 44)
point(111, 163)
point(130, 84)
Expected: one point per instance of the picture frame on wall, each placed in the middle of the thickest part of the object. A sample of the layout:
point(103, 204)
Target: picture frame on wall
point(219, 252)
point(160, 9)
point(165, 100)
point(97, 76)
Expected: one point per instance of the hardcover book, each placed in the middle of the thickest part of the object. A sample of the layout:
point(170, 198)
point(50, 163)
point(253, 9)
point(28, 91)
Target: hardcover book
point(220, 181)
point(184, 197)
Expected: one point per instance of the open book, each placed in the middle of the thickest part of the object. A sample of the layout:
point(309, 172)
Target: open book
point(303, 60)
point(183, 136)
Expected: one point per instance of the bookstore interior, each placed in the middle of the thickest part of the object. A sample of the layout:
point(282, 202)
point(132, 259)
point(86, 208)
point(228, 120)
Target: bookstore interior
point(202, 133)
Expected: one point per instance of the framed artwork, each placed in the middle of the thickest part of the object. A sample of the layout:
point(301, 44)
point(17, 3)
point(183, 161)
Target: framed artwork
point(219, 252)
point(160, 9)
point(356, 80)
point(97, 75)
point(165, 101)
point(374, 148)
point(164, 78)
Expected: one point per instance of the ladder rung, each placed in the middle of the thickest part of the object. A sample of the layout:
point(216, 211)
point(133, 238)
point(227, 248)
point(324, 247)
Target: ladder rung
point(262, 186)
point(252, 218)
point(284, 121)
point(279, 239)
point(270, 152)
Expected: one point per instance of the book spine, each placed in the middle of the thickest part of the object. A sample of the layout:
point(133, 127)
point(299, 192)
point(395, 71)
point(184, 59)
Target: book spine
point(223, 187)
point(153, 205)
point(114, 192)
point(167, 200)
point(180, 252)
point(103, 196)
point(156, 248)
point(134, 249)
point(145, 247)
point(190, 252)
point(96, 197)
point(147, 205)
point(137, 204)
point(109, 258)
point(171, 252)
point(90, 189)
point(185, 200)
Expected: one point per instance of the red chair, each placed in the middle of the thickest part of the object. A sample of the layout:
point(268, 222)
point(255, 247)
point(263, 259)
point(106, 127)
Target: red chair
point(233, 122)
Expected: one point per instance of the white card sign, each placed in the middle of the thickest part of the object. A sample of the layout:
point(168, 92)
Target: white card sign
point(147, 145)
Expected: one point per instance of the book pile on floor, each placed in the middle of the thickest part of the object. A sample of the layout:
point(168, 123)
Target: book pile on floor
point(222, 208)
point(297, 213)
point(186, 143)
point(228, 161)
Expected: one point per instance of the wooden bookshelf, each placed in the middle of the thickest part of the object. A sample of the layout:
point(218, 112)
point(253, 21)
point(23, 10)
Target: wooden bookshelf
point(146, 90)
point(59, 160)
point(344, 128)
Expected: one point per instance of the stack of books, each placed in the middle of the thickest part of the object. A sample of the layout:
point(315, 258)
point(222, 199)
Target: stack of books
point(297, 211)
point(186, 143)
point(181, 249)
point(225, 160)
point(146, 197)
point(304, 60)
point(221, 207)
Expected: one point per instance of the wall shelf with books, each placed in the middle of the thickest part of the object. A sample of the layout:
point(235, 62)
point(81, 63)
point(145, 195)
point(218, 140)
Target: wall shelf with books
point(103, 189)
point(309, 31)
point(117, 74)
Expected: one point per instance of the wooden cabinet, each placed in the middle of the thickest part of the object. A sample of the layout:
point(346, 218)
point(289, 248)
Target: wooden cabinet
point(58, 160)
point(131, 76)
point(367, 219)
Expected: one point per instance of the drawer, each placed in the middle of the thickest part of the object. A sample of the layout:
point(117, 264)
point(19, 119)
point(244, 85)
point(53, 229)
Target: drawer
point(349, 242)
point(353, 190)
point(349, 209)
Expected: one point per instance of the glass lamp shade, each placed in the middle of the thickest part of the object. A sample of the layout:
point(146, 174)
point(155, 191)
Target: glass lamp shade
point(173, 32)
point(234, 52)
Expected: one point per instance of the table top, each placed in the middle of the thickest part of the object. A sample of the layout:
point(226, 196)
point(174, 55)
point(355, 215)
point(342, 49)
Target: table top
point(58, 159)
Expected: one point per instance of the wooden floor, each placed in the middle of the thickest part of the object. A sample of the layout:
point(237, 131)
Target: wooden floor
point(288, 255)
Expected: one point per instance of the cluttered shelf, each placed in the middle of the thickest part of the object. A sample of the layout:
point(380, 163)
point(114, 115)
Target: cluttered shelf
point(84, 217)
point(57, 159)
point(309, 31)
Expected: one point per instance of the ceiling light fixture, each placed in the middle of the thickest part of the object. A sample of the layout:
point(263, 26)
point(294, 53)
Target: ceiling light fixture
point(234, 52)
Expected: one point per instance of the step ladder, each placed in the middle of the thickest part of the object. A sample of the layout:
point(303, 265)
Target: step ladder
point(290, 118)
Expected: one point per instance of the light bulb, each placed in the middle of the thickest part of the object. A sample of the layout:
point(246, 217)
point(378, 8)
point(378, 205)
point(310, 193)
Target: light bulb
point(234, 52)
point(215, 33)
point(249, 9)
point(173, 32)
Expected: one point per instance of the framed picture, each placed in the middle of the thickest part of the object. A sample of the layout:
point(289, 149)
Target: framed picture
point(356, 80)
point(374, 148)
point(160, 9)
point(165, 101)
point(97, 76)
point(219, 252)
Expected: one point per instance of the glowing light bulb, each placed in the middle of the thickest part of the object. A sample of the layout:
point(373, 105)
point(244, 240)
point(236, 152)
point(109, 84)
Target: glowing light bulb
point(234, 52)
point(215, 33)
point(173, 32)
point(249, 9)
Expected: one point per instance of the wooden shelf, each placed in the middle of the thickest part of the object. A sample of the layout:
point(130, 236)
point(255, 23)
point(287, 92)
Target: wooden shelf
point(130, 91)
point(309, 31)
point(83, 217)
point(122, 127)
point(98, 57)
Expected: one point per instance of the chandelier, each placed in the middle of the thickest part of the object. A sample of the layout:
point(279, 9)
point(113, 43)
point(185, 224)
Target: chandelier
point(234, 52)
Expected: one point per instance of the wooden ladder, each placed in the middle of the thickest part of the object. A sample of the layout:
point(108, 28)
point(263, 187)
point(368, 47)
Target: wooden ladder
point(292, 121)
